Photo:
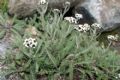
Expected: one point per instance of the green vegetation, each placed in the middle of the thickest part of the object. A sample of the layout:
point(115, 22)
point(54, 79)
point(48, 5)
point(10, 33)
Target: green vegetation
point(3, 5)
point(62, 53)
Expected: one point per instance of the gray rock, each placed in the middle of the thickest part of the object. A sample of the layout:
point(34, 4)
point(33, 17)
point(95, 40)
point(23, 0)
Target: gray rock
point(3, 47)
point(23, 8)
point(2, 78)
point(106, 12)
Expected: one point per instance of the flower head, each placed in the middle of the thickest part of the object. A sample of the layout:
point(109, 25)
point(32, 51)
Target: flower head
point(79, 27)
point(67, 3)
point(96, 25)
point(86, 27)
point(118, 76)
point(30, 43)
point(42, 2)
point(113, 37)
point(83, 28)
point(78, 16)
point(56, 10)
point(71, 20)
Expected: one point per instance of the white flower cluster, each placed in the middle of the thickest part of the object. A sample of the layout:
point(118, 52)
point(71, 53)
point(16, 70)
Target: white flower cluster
point(83, 28)
point(30, 43)
point(78, 16)
point(71, 20)
point(67, 3)
point(86, 27)
point(113, 37)
point(96, 25)
point(74, 20)
point(42, 2)
point(118, 76)
point(56, 10)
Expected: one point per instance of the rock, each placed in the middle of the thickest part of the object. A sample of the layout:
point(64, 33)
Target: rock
point(23, 8)
point(2, 73)
point(3, 47)
point(106, 12)
point(60, 4)
point(2, 78)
